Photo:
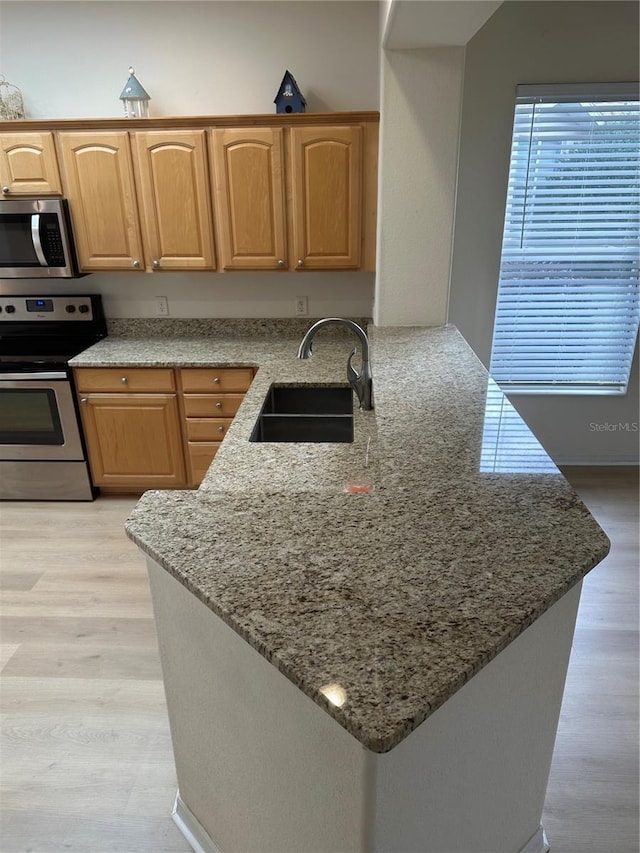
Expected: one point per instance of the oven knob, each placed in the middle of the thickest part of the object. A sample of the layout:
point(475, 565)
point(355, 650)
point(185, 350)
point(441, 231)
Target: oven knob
point(83, 309)
point(70, 309)
point(10, 309)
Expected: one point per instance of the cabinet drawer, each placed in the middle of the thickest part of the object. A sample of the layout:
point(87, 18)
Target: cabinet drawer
point(200, 457)
point(130, 379)
point(217, 380)
point(207, 429)
point(212, 405)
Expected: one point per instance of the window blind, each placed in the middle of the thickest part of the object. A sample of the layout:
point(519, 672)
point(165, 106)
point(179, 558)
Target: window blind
point(568, 298)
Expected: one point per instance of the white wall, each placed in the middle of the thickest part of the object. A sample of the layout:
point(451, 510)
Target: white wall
point(70, 59)
point(420, 115)
point(533, 42)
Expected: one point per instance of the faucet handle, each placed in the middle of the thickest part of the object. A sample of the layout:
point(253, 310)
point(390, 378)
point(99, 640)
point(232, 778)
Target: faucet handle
point(352, 373)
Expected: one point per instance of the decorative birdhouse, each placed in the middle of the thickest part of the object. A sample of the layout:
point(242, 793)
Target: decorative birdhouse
point(289, 98)
point(134, 98)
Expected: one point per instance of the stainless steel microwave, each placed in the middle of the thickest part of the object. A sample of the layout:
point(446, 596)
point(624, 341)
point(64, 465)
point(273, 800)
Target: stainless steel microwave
point(36, 239)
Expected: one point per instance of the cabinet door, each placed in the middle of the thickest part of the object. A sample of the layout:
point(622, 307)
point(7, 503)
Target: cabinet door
point(98, 181)
point(327, 196)
point(175, 199)
point(249, 190)
point(133, 439)
point(28, 165)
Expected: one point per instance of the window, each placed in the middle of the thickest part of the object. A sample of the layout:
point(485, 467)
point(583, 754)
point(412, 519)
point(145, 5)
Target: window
point(568, 297)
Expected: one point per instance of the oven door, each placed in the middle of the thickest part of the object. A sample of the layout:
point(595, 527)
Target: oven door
point(38, 418)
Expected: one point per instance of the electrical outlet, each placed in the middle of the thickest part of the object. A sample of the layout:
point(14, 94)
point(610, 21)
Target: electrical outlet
point(162, 306)
point(302, 306)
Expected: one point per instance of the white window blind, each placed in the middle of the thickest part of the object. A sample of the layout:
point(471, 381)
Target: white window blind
point(568, 298)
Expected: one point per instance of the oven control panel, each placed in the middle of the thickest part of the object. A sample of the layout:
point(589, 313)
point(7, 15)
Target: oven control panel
point(45, 308)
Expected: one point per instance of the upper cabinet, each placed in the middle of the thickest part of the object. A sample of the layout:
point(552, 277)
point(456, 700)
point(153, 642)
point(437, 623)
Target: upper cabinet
point(296, 198)
point(166, 224)
point(100, 187)
point(248, 170)
point(28, 165)
point(175, 202)
point(327, 178)
point(266, 192)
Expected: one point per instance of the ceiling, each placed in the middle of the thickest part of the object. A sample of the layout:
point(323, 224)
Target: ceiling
point(434, 23)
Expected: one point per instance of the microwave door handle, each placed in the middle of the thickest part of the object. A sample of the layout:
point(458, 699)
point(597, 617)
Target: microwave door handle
point(35, 237)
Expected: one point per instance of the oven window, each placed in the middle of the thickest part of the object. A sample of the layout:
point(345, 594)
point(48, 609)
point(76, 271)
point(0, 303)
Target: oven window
point(29, 416)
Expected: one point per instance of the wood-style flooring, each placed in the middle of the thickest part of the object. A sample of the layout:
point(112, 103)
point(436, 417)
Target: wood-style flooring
point(86, 759)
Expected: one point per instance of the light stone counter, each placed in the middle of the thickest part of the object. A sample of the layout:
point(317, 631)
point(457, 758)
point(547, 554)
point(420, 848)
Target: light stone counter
point(399, 594)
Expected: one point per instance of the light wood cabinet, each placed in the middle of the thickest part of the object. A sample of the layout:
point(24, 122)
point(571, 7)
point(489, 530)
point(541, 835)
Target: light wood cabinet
point(248, 169)
point(324, 182)
point(275, 192)
point(210, 399)
point(99, 183)
point(174, 199)
point(131, 422)
point(327, 171)
point(28, 165)
point(156, 427)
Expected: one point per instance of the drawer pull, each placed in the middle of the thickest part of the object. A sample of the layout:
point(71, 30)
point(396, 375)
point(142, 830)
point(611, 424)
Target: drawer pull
point(216, 380)
point(220, 429)
point(218, 405)
point(84, 399)
point(124, 380)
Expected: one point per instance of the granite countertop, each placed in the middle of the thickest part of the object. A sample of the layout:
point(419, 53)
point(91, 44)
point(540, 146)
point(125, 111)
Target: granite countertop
point(397, 592)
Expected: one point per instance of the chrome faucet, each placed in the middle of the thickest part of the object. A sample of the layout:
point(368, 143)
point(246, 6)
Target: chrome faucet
point(362, 383)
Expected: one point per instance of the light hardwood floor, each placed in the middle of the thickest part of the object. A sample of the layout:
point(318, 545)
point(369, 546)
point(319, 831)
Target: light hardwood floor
point(86, 753)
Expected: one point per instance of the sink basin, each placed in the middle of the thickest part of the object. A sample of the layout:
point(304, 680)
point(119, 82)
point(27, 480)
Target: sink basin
point(297, 413)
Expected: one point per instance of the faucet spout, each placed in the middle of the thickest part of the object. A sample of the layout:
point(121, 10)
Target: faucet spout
point(362, 383)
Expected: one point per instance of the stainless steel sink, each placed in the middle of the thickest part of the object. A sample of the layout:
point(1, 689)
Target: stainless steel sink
point(297, 413)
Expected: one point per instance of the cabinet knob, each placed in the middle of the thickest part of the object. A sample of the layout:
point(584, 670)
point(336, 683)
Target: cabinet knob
point(155, 263)
point(6, 190)
point(135, 264)
point(300, 262)
point(218, 405)
point(281, 263)
point(216, 380)
point(84, 399)
point(124, 380)
point(220, 429)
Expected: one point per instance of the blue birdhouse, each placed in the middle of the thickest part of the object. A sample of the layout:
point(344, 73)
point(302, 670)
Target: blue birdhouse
point(289, 98)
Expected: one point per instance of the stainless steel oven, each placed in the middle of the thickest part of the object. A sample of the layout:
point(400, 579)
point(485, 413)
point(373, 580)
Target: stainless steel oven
point(42, 452)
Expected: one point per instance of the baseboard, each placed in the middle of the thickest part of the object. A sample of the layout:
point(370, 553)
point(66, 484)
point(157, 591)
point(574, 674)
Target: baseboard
point(537, 843)
point(194, 832)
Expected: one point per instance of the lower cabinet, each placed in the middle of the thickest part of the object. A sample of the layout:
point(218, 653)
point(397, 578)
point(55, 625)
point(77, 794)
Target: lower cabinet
point(211, 397)
point(149, 428)
point(131, 423)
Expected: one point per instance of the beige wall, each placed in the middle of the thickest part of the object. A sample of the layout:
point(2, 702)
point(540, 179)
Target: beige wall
point(533, 42)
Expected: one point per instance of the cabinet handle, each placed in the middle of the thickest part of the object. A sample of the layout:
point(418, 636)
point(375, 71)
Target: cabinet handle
point(221, 429)
point(300, 262)
point(135, 264)
point(216, 380)
point(84, 399)
point(6, 190)
point(280, 263)
point(124, 380)
point(218, 405)
point(155, 263)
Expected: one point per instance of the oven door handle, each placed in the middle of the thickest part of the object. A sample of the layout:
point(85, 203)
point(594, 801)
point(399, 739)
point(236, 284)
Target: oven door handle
point(35, 237)
point(18, 377)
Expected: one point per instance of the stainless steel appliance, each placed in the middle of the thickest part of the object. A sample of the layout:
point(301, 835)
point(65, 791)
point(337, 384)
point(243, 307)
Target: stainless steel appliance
point(36, 239)
point(42, 452)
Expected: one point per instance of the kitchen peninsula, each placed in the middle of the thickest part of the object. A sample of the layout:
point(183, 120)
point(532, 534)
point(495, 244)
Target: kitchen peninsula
point(364, 645)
